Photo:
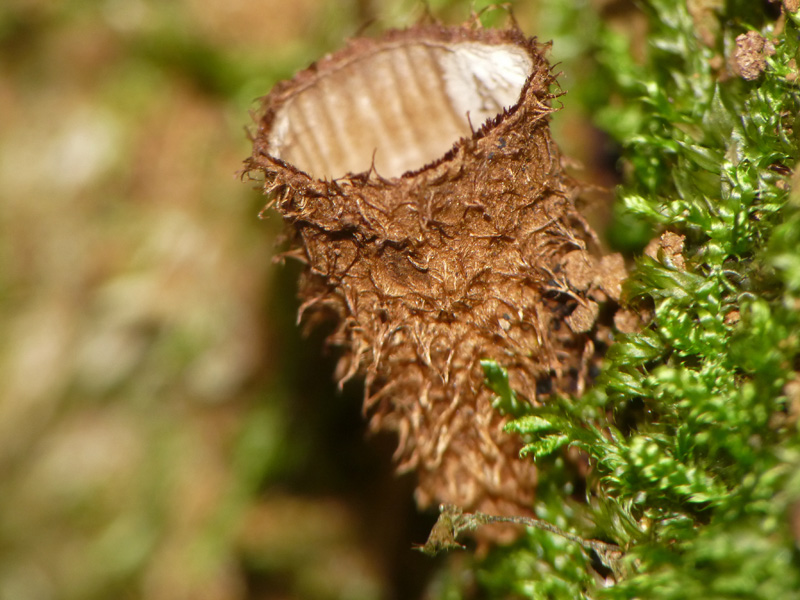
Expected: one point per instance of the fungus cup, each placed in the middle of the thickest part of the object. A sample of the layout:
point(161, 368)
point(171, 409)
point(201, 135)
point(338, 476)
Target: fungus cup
point(419, 183)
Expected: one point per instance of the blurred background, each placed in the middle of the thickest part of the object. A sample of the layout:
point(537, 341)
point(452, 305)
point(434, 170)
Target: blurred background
point(165, 429)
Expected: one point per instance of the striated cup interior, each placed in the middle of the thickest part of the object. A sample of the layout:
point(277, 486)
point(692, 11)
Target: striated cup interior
point(397, 108)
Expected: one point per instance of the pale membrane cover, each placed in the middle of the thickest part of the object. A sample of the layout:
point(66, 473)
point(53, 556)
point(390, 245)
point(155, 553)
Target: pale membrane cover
point(403, 106)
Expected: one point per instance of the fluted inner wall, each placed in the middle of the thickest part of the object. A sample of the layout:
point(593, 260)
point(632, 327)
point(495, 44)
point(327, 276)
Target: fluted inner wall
point(402, 106)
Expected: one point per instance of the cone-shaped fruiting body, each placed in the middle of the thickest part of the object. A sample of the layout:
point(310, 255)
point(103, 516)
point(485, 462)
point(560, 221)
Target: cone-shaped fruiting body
point(420, 184)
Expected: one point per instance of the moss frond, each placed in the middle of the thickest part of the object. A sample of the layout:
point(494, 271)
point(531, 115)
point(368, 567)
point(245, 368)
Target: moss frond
point(691, 433)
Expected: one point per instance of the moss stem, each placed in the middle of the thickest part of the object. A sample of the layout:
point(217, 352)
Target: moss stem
point(452, 521)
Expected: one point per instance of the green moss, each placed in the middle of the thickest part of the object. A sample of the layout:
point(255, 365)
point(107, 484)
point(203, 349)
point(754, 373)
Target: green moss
point(692, 429)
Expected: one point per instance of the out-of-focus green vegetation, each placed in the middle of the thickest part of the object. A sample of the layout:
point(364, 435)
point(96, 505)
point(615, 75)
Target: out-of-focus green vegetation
point(164, 431)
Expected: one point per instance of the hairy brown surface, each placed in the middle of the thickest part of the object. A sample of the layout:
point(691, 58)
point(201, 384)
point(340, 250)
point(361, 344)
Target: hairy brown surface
point(480, 254)
point(750, 56)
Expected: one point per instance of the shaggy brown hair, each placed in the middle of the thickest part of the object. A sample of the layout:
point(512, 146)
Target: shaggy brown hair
point(476, 252)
